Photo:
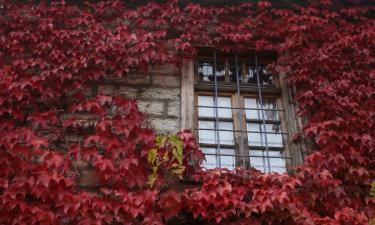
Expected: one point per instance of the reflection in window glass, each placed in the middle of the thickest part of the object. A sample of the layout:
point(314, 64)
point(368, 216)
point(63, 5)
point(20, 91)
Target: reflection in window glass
point(227, 158)
point(258, 160)
point(250, 76)
point(205, 71)
point(264, 76)
point(268, 109)
point(220, 73)
point(258, 139)
point(210, 112)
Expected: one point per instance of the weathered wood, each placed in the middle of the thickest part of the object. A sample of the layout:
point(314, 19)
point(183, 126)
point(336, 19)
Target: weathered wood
point(187, 95)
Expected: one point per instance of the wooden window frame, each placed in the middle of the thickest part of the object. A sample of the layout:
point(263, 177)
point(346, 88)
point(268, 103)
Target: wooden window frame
point(190, 88)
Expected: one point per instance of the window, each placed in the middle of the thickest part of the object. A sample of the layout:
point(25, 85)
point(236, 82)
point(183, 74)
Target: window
point(239, 114)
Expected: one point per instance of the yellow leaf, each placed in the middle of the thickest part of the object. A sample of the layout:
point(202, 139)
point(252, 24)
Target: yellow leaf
point(151, 156)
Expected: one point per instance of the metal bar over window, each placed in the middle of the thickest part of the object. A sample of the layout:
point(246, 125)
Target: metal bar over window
point(217, 134)
point(223, 107)
point(243, 131)
point(261, 119)
point(262, 112)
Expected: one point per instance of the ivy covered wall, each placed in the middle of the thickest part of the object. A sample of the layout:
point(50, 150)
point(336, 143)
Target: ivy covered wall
point(52, 53)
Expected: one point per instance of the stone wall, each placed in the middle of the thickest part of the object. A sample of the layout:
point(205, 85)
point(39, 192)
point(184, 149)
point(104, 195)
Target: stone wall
point(158, 94)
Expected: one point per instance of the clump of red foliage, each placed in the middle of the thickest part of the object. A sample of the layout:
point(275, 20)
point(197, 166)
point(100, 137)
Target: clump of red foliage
point(51, 53)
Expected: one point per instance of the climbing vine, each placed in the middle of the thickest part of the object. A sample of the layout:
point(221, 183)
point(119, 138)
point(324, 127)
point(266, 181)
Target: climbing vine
point(52, 123)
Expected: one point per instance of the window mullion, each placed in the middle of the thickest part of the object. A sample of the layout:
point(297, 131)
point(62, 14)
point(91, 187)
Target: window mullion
point(241, 135)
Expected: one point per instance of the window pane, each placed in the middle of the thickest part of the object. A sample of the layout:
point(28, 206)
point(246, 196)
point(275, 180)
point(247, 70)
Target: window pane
point(258, 160)
point(206, 101)
point(233, 67)
point(269, 115)
point(256, 114)
point(226, 137)
point(209, 136)
point(205, 70)
point(227, 159)
point(277, 164)
point(252, 103)
point(220, 73)
point(250, 75)
point(224, 102)
point(211, 161)
point(264, 76)
point(274, 140)
point(210, 112)
point(258, 139)
point(255, 138)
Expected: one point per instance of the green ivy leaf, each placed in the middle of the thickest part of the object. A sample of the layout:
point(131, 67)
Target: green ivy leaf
point(151, 155)
point(152, 177)
point(177, 152)
point(160, 140)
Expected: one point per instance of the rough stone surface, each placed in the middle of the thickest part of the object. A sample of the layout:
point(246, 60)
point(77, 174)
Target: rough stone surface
point(160, 93)
point(166, 81)
point(126, 91)
point(151, 107)
point(174, 108)
point(165, 125)
point(131, 79)
point(157, 92)
point(163, 69)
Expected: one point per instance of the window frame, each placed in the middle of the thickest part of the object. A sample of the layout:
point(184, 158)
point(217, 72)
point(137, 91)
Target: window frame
point(189, 111)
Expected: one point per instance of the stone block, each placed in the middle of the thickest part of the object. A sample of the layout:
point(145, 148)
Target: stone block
point(163, 69)
point(174, 108)
point(131, 79)
point(166, 81)
point(165, 125)
point(117, 90)
point(160, 93)
point(151, 107)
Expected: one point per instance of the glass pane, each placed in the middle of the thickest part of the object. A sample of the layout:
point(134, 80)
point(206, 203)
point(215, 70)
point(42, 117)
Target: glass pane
point(211, 161)
point(269, 115)
point(234, 69)
point(250, 75)
point(277, 164)
point(206, 101)
point(207, 136)
point(224, 102)
point(252, 103)
point(274, 140)
point(226, 137)
point(256, 114)
point(264, 76)
point(255, 139)
point(227, 159)
point(205, 70)
point(210, 112)
point(258, 160)
point(220, 72)
point(258, 139)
